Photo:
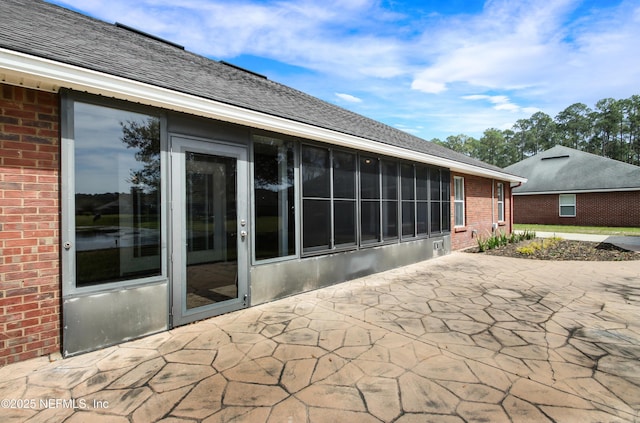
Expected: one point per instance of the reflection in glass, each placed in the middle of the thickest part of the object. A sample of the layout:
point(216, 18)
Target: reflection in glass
point(446, 200)
point(344, 203)
point(316, 198)
point(117, 194)
point(408, 204)
point(315, 172)
point(369, 178)
point(344, 175)
point(316, 224)
point(422, 197)
point(370, 221)
point(210, 226)
point(344, 222)
point(274, 198)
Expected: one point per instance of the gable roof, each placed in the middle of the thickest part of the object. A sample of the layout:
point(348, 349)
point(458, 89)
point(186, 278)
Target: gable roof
point(45, 46)
point(566, 170)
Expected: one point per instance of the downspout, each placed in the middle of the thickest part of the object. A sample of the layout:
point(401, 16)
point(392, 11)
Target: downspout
point(511, 188)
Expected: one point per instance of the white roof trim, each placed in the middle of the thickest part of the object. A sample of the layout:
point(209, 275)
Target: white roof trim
point(584, 191)
point(35, 72)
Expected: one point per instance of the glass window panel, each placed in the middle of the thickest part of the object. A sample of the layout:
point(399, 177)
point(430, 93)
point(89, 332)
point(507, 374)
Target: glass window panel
point(273, 166)
point(117, 194)
point(567, 211)
point(408, 189)
point(445, 186)
point(389, 180)
point(421, 217)
point(500, 202)
point(315, 172)
point(316, 222)
point(210, 228)
point(459, 213)
point(567, 199)
point(446, 216)
point(459, 189)
point(370, 221)
point(435, 217)
point(422, 183)
point(344, 175)
point(369, 178)
point(434, 183)
point(390, 219)
point(344, 222)
point(408, 218)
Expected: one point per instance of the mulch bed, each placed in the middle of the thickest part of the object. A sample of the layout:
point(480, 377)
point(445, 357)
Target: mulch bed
point(566, 250)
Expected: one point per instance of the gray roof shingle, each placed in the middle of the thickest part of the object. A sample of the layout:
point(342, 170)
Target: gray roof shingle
point(44, 30)
point(564, 169)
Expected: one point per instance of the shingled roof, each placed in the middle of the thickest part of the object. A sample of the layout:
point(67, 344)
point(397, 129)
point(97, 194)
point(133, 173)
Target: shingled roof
point(566, 170)
point(47, 31)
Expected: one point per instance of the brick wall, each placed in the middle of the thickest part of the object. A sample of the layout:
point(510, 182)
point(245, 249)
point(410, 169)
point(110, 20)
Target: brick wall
point(29, 224)
point(480, 210)
point(592, 209)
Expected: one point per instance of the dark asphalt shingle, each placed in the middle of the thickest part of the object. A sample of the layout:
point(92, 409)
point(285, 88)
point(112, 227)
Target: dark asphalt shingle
point(564, 169)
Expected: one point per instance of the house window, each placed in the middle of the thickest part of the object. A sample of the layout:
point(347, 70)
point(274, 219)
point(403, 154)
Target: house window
point(422, 200)
point(389, 200)
point(500, 202)
point(567, 205)
point(458, 196)
point(329, 200)
point(445, 192)
point(344, 199)
point(408, 201)
point(273, 181)
point(369, 199)
point(316, 198)
point(117, 199)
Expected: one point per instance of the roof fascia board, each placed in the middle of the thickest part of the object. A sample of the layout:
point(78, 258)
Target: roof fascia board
point(35, 72)
point(584, 191)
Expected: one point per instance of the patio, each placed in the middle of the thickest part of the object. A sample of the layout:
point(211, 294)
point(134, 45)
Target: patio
point(461, 338)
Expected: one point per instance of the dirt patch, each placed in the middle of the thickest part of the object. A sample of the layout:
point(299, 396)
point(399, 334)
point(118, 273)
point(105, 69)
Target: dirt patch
point(564, 250)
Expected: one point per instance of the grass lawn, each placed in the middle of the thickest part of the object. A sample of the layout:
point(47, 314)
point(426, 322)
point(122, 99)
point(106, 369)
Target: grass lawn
point(600, 230)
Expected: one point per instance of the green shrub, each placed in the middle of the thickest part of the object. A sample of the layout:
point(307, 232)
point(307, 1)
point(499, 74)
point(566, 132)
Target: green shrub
point(500, 240)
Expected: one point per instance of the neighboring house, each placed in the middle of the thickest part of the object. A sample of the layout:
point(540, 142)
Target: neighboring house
point(571, 187)
point(144, 187)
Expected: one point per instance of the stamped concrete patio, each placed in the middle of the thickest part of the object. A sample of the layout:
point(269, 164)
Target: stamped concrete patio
point(462, 338)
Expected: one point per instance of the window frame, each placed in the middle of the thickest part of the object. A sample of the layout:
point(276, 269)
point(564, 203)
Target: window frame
point(68, 187)
point(561, 205)
point(457, 200)
point(500, 196)
point(255, 139)
point(410, 202)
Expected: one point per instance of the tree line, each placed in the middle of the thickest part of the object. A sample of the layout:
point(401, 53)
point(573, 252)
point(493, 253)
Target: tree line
point(611, 129)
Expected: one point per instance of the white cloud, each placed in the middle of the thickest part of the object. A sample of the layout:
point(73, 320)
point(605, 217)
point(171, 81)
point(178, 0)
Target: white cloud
point(446, 73)
point(349, 98)
point(501, 102)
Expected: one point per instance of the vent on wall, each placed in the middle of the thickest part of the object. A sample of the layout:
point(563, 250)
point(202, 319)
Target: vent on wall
point(145, 34)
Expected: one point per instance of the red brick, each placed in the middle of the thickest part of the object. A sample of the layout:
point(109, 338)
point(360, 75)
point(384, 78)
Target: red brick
point(22, 292)
point(19, 308)
point(22, 324)
point(481, 210)
point(592, 209)
point(22, 130)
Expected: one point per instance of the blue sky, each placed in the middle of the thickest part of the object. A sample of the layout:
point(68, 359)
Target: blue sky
point(431, 68)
